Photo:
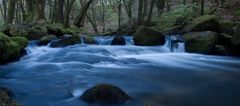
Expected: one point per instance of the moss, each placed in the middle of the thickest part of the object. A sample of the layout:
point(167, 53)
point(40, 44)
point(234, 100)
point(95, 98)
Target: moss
point(21, 41)
point(88, 39)
point(56, 29)
point(10, 50)
point(227, 27)
point(200, 42)
point(47, 39)
point(203, 23)
point(146, 36)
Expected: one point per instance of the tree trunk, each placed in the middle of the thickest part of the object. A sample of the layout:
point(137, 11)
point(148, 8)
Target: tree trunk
point(149, 19)
point(202, 7)
point(119, 14)
point(82, 13)
point(103, 16)
point(11, 11)
point(128, 9)
point(60, 14)
point(4, 10)
point(140, 12)
point(69, 6)
point(40, 10)
point(160, 6)
point(30, 11)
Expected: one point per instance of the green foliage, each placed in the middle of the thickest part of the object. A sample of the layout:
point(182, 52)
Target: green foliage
point(180, 13)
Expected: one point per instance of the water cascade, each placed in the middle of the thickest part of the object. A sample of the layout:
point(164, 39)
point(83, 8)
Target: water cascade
point(154, 75)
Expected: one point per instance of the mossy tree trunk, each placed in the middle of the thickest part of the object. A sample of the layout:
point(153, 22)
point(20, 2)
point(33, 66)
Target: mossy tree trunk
point(140, 12)
point(60, 13)
point(82, 14)
point(69, 6)
point(11, 11)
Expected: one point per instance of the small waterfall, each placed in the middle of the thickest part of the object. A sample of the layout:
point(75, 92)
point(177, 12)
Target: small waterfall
point(174, 43)
point(82, 41)
point(107, 40)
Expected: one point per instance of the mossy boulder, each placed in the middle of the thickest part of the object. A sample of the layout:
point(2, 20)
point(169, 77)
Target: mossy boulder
point(227, 27)
point(5, 98)
point(31, 31)
point(66, 41)
point(9, 50)
point(235, 41)
point(118, 40)
point(105, 94)
point(47, 39)
point(146, 36)
point(56, 29)
point(200, 42)
point(203, 23)
point(88, 39)
point(21, 41)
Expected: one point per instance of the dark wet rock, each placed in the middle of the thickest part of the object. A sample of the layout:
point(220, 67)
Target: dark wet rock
point(224, 39)
point(200, 42)
point(68, 41)
point(146, 36)
point(6, 97)
point(235, 41)
point(203, 23)
point(11, 48)
point(221, 50)
point(88, 39)
point(105, 94)
point(35, 35)
point(47, 39)
point(227, 27)
point(118, 40)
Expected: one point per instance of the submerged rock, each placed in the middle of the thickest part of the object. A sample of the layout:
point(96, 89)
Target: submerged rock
point(67, 41)
point(105, 94)
point(11, 48)
point(200, 42)
point(118, 40)
point(47, 39)
point(203, 23)
point(5, 97)
point(146, 36)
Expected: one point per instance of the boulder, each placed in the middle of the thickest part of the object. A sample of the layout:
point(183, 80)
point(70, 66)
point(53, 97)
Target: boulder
point(56, 29)
point(221, 50)
point(105, 94)
point(200, 42)
point(67, 41)
point(227, 27)
point(31, 31)
point(35, 35)
point(118, 40)
point(146, 36)
point(87, 39)
point(9, 50)
point(21, 41)
point(235, 41)
point(5, 97)
point(47, 39)
point(203, 23)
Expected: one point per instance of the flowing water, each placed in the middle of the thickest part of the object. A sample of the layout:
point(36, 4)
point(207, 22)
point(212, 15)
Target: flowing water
point(153, 76)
